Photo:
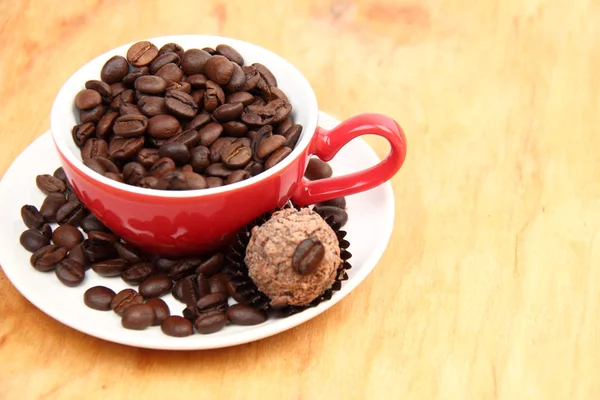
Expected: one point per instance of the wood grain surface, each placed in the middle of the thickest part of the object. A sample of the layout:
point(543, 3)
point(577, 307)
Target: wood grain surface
point(489, 287)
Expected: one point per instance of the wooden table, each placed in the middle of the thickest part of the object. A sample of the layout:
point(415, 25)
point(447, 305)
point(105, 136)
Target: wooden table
point(489, 286)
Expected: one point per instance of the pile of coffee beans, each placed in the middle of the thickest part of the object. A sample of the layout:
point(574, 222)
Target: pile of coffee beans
point(68, 239)
point(171, 119)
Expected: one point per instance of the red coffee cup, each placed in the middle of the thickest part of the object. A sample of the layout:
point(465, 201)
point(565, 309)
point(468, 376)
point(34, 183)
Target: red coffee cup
point(183, 223)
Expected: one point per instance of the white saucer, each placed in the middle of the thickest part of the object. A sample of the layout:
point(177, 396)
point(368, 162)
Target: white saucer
point(371, 219)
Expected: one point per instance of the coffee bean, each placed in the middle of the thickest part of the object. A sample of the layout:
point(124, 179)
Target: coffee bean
point(46, 258)
point(32, 218)
point(156, 286)
point(160, 309)
point(46, 230)
point(106, 236)
point(282, 109)
point(177, 152)
point(193, 61)
point(98, 298)
point(277, 157)
point(182, 86)
point(87, 99)
point(237, 176)
point(129, 253)
point(210, 323)
point(197, 81)
point(71, 213)
point(32, 240)
point(67, 236)
point(70, 272)
point(171, 48)
point(317, 169)
point(105, 125)
point(147, 157)
point(130, 125)
point(308, 256)
point(152, 106)
point(125, 97)
point(240, 97)
point(244, 141)
point(102, 165)
point(284, 125)
point(218, 69)
point(269, 145)
point(124, 148)
point(277, 93)
point(52, 203)
point(97, 250)
point(228, 112)
point(102, 88)
point(150, 84)
point(81, 133)
point(339, 215)
point(216, 147)
point(180, 104)
point(242, 314)
point(199, 121)
point(138, 317)
point(339, 202)
point(212, 302)
point(130, 109)
point(252, 78)
point(214, 181)
point(211, 266)
point(118, 88)
point(183, 268)
point(133, 172)
point(125, 299)
point(189, 138)
point(235, 155)
point(149, 182)
point(162, 167)
point(94, 148)
point(109, 268)
point(92, 115)
point(194, 181)
point(49, 184)
point(77, 254)
point(114, 70)
point(164, 59)
point(131, 77)
point(72, 196)
point(235, 128)
point(258, 115)
point(177, 326)
point(266, 74)
point(198, 96)
point(200, 158)
point(218, 170)
point(210, 133)
point(254, 168)
point(292, 135)
point(177, 290)
point(141, 54)
point(218, 285)
point(194, 287)
point(231, 54)
point(90, 224)
point(213, 96)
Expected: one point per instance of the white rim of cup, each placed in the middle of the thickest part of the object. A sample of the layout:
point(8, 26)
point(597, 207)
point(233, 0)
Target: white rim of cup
point(64, 104)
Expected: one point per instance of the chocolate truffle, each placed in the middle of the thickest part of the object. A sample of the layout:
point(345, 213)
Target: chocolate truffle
point(271, 249)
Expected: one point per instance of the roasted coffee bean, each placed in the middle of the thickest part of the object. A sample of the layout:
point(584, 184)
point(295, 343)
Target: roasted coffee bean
point(33, 240)
point(49, 184)
point(193, 61)
point(235, 128)
point(87, 99)
point(130, 125)
point(70, 272)
point(266, 74)
point(177, 152)
point(181, 104)
point(254, 168)
point(129, 253)
point(114, 70)
point(81, 133)
point(214, 181)
point(258, 115)
point(210, 323)
point(197, 81)
point(72, 196)
point(67, 236)
point(231, 54)
point(284, 125)
point(259, 102)
point(193, 288)
point(218, 170)
point(235, 155)
point(52, 203)
point(46, 258)
point(125, 97)
point(194, 181)
point(231, 287)
point(121, 148)
point(71, 213)
point(211, 266)
point(164, 59)
point(277, 157)
point(240, 97)
point(60, 174)
point(237, 176)
point(142, 53)
point(94, 148)
point(137, 273)
point(105, 125)
point(199, 121)
point(162, 167)
point(125, 299)
point(171, 48)
point(174, 180)
point(170, 73)
point(133, 172)
point(228, 112)
point(217, 146)
point(156, 286)
point(187, 168)
point(177, 326)
point(149, 182)
point(147, 157)
point(150, 84)
point(218, 69)
point(177, 290)
point(339, 215)
point(118, 88)
point(189, 138)
point(242, 314)
point(32, 218)
point(317, 169)
point(107, 236)
point(160, 309)
point(138, 317)
point(130, 78)
point(339, 202)
point(213, 96)
point(101, 165)
point(97, 250)
point(252, 78)
point(109, 268)
point(152, 106)
point(209, 133)
point(277, 93)
point(217, 284)
point(200, 158)
point(90, 224)
point(47, 231)
point(130, 109)
point(212, 302)
point(92, 115)
point(78, 255)
point(308, 256)
point(102, 88)
point(244, 141)
point(183, 268)
point(183, 86)
point(98, 298)
point(269, 145)
point(198, 96)
point(210, 50)
point(292, 135)
point(282, 108)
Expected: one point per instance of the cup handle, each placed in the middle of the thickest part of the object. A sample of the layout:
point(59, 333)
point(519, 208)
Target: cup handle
point(326, 144)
